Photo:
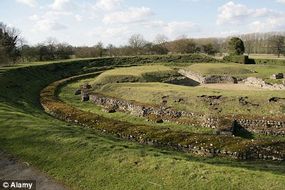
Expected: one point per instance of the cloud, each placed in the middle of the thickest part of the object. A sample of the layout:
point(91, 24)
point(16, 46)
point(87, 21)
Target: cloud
point(254, 20)
point(131, 15)
point(175, 29)
point(108, 5)
point(31, 3)
point(231, 13)
point(78, 17)
point(269, 24)
point(60, 4)
point(109, 32)
point(280, 1)
point(48, 21)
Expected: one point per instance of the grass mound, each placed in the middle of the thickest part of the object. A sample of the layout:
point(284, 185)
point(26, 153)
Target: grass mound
point(152, 73)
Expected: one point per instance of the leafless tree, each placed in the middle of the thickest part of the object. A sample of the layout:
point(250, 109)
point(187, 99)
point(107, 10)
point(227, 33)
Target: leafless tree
point(277, 43)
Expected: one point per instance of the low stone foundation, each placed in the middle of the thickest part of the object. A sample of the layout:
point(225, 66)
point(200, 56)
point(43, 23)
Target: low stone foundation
point(161, 113)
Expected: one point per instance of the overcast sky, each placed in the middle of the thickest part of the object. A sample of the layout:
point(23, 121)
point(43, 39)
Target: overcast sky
point(86, 22)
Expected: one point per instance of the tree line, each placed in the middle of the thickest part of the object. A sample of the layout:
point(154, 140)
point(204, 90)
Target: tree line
point(13, 48)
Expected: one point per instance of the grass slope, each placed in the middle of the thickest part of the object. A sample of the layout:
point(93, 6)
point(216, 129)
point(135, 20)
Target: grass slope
point(136, 74)
point(84, 159)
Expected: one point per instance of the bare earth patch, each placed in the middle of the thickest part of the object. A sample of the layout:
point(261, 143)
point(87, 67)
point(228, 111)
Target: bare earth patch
point(11, 169)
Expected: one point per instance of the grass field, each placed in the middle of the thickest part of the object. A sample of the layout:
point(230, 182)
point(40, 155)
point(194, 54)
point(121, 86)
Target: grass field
point(67, 95)
point(82, 158)
point(152, 92)
point(266, 56)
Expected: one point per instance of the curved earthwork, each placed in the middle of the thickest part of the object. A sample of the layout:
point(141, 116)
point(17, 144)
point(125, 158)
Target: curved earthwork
point(53, 146)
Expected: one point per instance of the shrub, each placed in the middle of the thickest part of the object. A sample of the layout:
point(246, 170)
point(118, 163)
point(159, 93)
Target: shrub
point(242, 59)
point(236, 46)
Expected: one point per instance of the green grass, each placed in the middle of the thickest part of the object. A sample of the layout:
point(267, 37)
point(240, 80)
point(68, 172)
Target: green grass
point(67, 95)
point(135, 74)
point(266, 56)
point(151, 93)
point(85, 159)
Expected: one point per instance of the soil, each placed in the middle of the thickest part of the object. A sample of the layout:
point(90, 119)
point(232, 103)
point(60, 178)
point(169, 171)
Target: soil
point(13, 169)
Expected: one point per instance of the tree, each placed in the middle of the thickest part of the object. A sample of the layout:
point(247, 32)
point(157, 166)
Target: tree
point(183, 46)
point(63, 51)
point(160, 39)
point(160, 44)
point(9, 44)
point(110, 50)
point(249, 40)
point(137, 42)
point(209, 49)
point(236, 46)
point(277, 44)
point(100, 49)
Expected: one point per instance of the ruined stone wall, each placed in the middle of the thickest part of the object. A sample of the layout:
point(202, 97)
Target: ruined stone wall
point(160, 114)
point(210, 79)
point(263, 126)
point(192, 75)
point(258, 82)
point(214, 79)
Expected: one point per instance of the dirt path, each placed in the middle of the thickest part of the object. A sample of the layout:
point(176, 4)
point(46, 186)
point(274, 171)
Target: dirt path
point(11, 169)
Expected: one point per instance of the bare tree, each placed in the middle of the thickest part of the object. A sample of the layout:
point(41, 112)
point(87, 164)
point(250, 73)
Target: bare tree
point(137, 42)
point(110, 49)
point(248, 40)
point(100, 49)
point(160, 39)
point(277, 43)
point(9, 44)
point(183, 45)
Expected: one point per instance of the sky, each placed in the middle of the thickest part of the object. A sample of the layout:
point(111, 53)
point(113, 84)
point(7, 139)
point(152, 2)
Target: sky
point(87, 22)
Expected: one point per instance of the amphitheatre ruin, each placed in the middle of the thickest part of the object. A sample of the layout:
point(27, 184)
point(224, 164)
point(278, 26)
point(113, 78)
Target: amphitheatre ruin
point(236, 110)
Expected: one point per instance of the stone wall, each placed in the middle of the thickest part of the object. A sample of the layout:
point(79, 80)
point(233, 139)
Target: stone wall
point(214, 79)
point(192, 75)
point(159, 114)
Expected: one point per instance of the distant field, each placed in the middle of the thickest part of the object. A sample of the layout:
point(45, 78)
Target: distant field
point(237, 70)
point(266, 56)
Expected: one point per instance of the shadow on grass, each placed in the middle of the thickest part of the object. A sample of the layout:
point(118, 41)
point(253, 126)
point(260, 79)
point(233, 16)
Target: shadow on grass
point(240, 131)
